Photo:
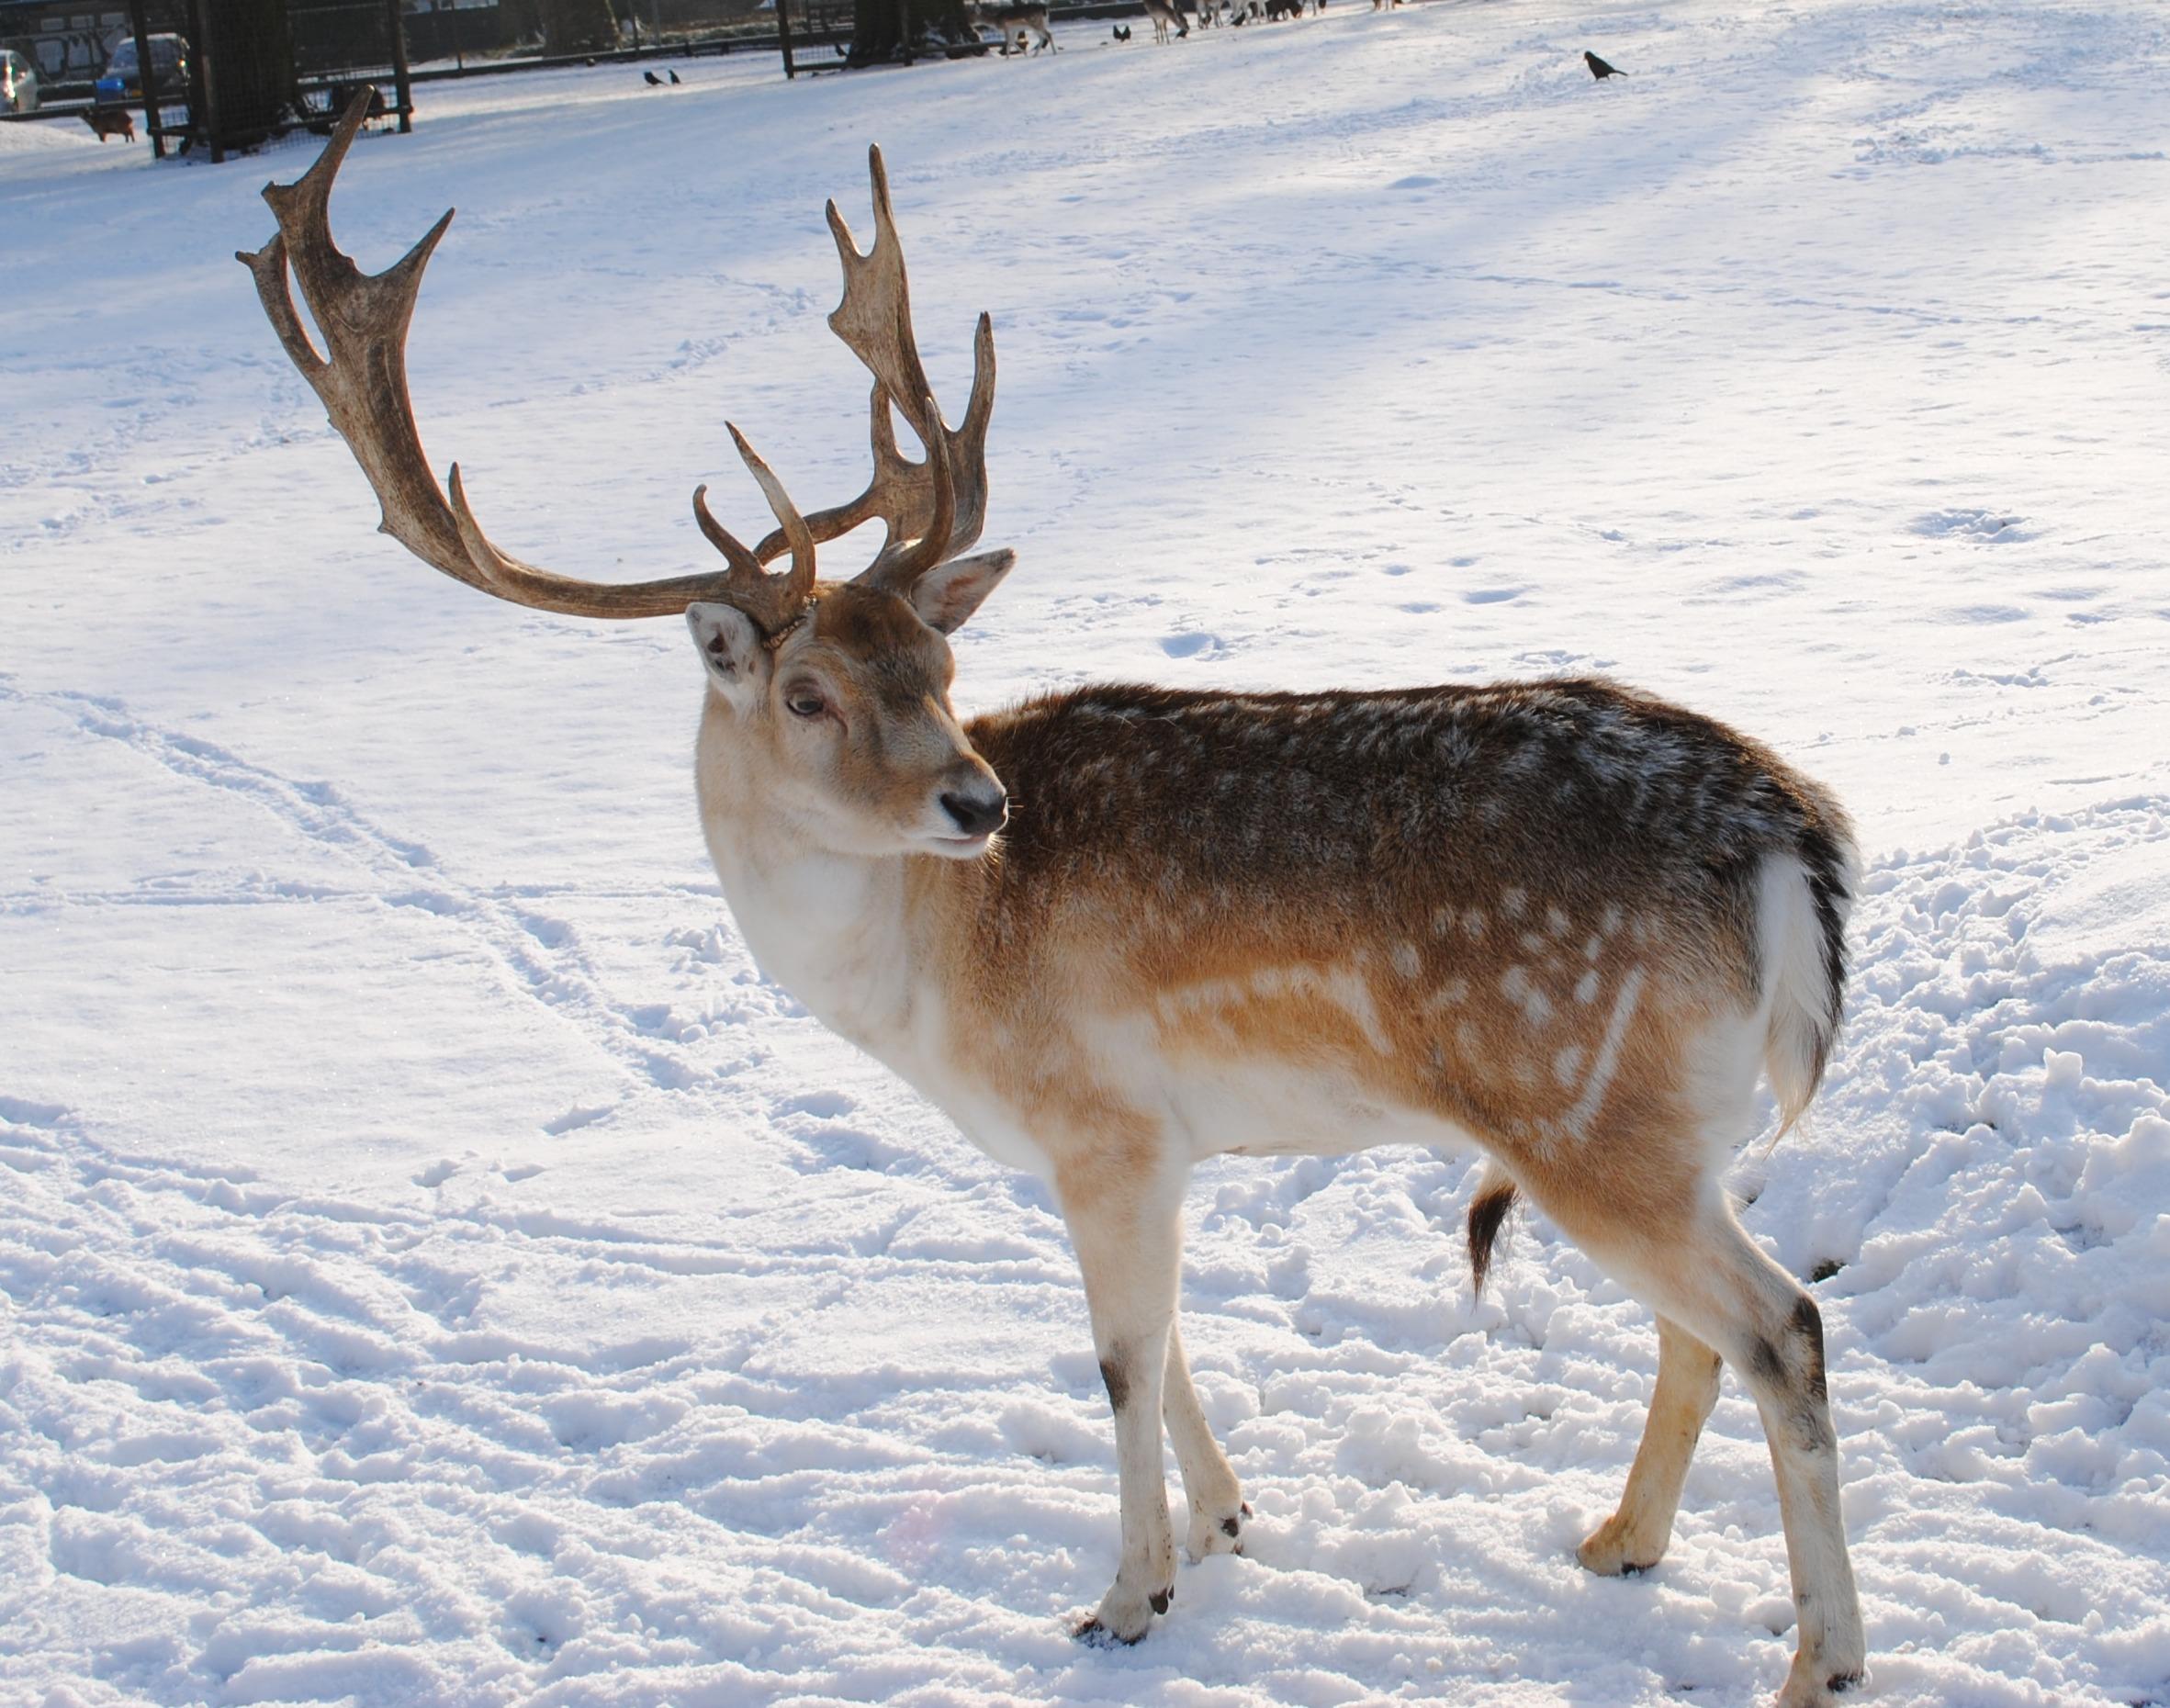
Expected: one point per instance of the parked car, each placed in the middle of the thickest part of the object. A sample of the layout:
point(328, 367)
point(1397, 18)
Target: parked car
point(123, 79)
point(18, 83)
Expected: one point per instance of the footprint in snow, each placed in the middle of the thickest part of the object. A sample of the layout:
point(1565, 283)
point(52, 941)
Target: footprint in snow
point(827, 1105)
point(1972, 524)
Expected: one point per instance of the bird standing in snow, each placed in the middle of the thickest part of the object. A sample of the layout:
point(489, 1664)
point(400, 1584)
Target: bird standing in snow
point(672, 75)
point(654, 82)
point(1599, 69)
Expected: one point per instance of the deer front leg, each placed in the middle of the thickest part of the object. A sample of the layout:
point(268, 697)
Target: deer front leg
point(1635, 1537)
point(1216, 1497)
point(1128, 1248)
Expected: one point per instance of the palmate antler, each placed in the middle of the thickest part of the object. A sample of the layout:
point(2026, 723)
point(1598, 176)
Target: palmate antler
point(933, 510)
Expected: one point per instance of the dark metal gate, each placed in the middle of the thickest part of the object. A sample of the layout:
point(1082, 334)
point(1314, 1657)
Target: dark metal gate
point(228, 76)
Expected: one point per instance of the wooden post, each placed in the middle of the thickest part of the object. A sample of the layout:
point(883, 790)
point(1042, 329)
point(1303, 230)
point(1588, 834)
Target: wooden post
point(203, 85)
point(402, 86)
point(142, 25)
point(783, 36)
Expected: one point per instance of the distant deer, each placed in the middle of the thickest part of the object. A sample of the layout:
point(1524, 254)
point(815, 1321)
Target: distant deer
point(1014, 18)
point(1116, 930)
point(111, 121)
point(1165, 16)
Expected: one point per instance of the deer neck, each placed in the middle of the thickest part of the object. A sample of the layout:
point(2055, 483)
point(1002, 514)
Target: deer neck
point(850, 937)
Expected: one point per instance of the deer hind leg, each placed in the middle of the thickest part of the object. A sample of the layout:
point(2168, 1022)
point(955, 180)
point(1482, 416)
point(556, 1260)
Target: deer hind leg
point(1129, 1246)
point(1635, 1537)
point(1209, 1485)
point(1707, 1277)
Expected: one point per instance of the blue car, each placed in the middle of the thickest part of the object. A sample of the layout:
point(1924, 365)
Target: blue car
point(123, 80)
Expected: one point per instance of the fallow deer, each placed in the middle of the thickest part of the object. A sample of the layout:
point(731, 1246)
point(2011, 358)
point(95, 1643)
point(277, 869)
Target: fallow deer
point(111, 121)
point(1116, 930)
point(1166, 16)
point(1021, 21)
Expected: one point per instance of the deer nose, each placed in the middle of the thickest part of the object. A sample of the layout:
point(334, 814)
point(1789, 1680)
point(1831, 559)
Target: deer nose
point(976, 815)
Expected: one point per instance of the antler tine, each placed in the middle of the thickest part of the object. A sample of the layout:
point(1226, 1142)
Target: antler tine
point(934, 509)
point(360, 379)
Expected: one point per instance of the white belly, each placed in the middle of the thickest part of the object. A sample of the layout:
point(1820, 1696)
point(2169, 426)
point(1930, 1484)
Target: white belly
point(1266, 1108)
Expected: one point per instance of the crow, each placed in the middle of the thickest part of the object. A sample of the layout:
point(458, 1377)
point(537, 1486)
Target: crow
point(654, 82)
point(672, 75)
point(1599, 69)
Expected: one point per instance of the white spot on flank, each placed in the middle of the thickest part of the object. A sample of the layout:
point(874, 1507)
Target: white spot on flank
point(1610, 922)
point(1577, 1119)
point(1586, 986)
point(1591, 947)
point(1515, 982)
point(1407, 962)
point(1473, 924)
point(1532, 942)
point(1512, 901)
point(1447, 996)
point(1565, 1064)
point(1339, 986)
point(1556, 922)
point(1442, 921)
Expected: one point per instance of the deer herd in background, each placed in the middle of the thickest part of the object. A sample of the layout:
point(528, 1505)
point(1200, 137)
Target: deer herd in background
point(1024, 24)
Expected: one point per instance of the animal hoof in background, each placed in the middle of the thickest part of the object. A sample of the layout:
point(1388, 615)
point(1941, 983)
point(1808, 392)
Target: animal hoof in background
point(1600, 70)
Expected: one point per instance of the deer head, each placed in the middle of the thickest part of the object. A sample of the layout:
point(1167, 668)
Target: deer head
point(843, 686)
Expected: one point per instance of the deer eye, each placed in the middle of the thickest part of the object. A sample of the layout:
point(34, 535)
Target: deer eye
point(802, 701)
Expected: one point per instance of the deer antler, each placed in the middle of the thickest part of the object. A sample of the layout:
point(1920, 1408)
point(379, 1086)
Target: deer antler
point(363, 385)
point(933, 510)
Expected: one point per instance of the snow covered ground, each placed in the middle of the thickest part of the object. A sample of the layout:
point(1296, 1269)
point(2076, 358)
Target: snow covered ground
point(436, 1267)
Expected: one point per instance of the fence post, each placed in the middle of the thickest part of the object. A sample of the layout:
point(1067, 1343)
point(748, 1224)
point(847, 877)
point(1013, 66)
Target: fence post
point(203, 86)
point(783, 36)
point(141, 26)
point(402, 86)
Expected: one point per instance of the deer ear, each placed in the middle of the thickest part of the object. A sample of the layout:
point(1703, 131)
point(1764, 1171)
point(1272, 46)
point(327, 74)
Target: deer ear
point(946, 595)
point(732, 653)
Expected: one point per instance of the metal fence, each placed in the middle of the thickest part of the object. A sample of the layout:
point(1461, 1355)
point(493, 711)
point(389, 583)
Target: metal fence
point(233, 75)
point(814, 35)
point(224, 75)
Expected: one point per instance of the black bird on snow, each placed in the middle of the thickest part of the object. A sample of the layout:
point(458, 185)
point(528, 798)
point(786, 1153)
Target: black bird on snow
point(654, 82)
point(671, 74)
point(1599, 69)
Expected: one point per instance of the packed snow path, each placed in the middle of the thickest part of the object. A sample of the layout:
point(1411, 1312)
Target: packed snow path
point(435, 1267)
